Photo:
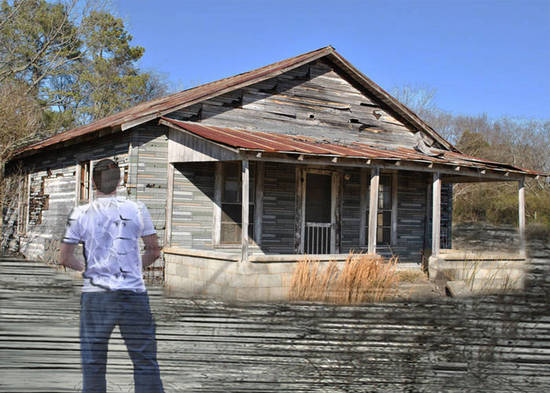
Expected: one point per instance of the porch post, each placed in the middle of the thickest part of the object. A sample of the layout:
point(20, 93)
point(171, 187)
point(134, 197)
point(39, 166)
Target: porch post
point(245, 206)
point(217, 214)
point(373, 208)
point(521, 211)
point(436, 216)
point(169, 204)
point(363, 208)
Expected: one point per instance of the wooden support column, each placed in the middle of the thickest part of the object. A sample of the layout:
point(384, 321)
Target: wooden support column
point(436, 215)
point(169, 204)
point(259, 202)
point(217, 213)
point(363, 207)
point(245, 172)
point(300, 208)
point(521, 212)
point(373, 208)
point(90, 182)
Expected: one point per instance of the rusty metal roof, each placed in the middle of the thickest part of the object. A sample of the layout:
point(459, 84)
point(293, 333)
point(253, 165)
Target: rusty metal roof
point(245, 140)
point(159, 107)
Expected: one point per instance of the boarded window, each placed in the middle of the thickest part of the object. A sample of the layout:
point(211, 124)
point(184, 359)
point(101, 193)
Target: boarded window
point(231, 203)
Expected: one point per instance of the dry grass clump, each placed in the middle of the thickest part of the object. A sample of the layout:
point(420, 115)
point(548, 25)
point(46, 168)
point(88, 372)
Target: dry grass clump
point(411, 276)
point(363, 278)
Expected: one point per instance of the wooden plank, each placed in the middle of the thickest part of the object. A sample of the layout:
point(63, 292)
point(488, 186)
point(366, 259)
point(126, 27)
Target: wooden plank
point(436, 215)
point(363, 207)
point(300, 210)
point(394, 207)
point(245, 172)
point(217, 214)
point(373, 209)
point(169, 204)
point(521, 213)
point(259, 202)
point(335, 211)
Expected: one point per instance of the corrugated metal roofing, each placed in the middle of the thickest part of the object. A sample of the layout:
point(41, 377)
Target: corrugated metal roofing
point(156, 108)
point(279, 143)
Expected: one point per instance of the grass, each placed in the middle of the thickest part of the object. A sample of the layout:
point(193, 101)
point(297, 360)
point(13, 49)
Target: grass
point(362, 279)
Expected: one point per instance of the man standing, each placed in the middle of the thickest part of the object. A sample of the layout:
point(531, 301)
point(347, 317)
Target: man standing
point(113, 292)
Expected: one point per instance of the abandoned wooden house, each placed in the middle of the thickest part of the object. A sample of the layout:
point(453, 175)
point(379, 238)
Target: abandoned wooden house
point(245, 175)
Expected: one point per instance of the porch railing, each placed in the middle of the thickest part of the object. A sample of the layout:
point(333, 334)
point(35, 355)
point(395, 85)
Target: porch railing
point(317, 238)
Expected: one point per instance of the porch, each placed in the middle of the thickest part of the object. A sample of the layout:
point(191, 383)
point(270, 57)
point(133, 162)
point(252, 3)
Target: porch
point(241, 212)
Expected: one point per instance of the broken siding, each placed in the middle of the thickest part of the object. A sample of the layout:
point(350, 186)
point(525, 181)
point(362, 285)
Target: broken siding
point(193, 206)
point(311, 100)
point(53, 191)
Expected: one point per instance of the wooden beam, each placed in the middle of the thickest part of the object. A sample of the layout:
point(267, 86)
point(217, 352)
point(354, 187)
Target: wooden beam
point(394, 206)
point(259, 203)
point(363, 207)
point(245, 198)
point(300, 211)
point(335, 210)
point(373, 209)
point(521, 212)
point(90, 182)
point(169, 206)
point(436, 215)
point(217, 214)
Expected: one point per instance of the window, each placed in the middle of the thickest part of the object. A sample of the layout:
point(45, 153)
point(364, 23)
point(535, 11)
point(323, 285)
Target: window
point(383, 227)
point(231, 203)
point(84, 186)
point(384, 218)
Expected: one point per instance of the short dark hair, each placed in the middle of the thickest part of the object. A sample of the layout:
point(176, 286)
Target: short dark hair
point(106, 176)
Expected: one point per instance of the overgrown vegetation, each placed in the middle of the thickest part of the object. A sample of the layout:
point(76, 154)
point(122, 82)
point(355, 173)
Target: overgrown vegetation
point(520, 142)
point(363, 279)
point(64, 63)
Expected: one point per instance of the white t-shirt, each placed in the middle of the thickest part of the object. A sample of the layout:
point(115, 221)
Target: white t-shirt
point(110, 229)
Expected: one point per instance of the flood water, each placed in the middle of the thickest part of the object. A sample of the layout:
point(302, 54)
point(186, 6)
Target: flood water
point(491, 343)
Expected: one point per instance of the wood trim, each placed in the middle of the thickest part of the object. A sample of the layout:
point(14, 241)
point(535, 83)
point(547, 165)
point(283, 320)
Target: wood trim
point(217, 213)
point(259, 202)
point(373, 209)
point(90, 182)
point(169, 205)
point(436, 215)
point(394, 207)
point(335, 212)
point(245, 208)
point(77, 184)
point(363, 207)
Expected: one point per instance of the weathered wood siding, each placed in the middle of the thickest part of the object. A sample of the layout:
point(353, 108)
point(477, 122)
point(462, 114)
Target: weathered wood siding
point(311, 100)
point(148, 157)
point(53, 190)
point(193, 205)
point(278, 228)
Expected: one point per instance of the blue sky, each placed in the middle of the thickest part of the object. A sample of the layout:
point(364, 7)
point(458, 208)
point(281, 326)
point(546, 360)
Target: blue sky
point(481, 56)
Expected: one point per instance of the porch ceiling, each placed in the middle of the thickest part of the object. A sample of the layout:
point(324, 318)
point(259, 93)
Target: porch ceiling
point(262, 142)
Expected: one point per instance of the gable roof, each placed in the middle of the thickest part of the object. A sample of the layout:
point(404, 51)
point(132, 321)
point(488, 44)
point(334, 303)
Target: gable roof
point(154, 109)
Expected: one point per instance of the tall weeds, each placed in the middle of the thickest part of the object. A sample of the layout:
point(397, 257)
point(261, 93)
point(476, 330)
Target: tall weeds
point(362, 279)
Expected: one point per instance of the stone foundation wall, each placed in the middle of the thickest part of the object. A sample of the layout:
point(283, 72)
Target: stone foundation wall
point(220, 275)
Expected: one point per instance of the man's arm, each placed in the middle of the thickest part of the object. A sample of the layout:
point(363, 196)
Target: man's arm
point(152, 250)
point(67, 258)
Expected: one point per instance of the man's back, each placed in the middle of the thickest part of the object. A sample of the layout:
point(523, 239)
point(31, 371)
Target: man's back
point(110, 229)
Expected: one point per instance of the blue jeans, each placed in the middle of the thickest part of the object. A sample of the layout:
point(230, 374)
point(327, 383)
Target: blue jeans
point(100, 312)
